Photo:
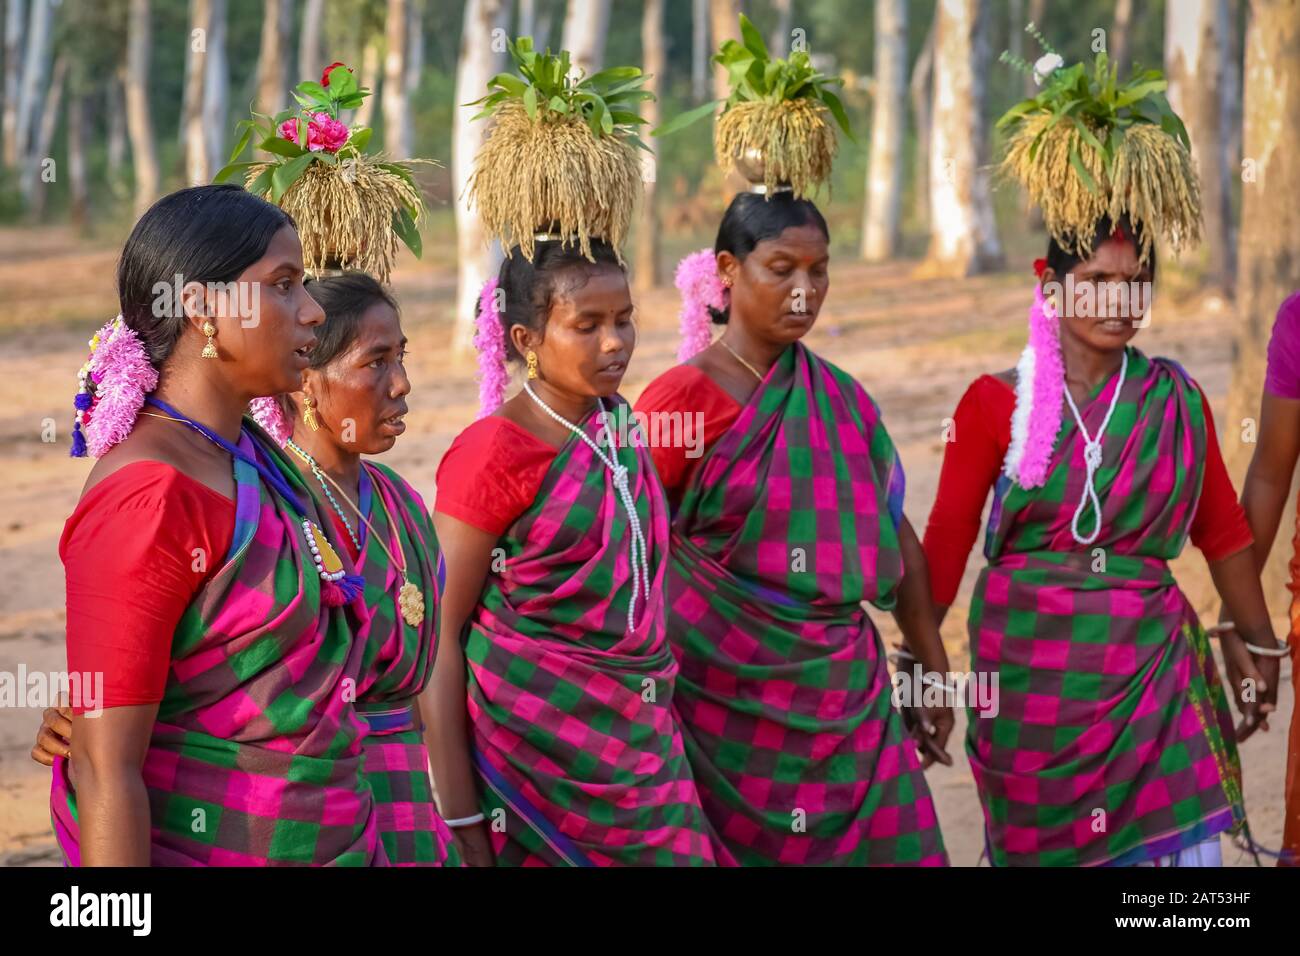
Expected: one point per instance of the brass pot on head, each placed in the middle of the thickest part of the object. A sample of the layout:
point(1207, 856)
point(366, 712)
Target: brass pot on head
point(752, 165)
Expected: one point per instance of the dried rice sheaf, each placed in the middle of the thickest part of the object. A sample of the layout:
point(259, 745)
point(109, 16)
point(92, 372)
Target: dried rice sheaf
point(795, 137)
point(1153, 181)
point(553, 173)
point(345, 215)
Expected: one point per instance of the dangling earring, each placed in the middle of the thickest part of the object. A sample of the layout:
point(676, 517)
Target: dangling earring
point(309, 413)
point(209, 350)
point(531, 358)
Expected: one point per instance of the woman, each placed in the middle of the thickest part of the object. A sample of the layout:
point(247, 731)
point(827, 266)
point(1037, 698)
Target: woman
point(554, 537)
point(790, 518)
point(351, 402)
point(1264, 497)
point(1112, 743)
point(201, 576)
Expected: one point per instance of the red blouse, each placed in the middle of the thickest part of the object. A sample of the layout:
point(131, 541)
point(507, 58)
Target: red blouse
point(686, 390)
point(135, 551)
point(491, 474)
point(971, 467)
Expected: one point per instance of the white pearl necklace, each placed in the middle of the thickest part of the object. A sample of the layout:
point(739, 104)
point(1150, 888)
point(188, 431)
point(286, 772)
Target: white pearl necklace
point(1092, 458)
point(640, 564)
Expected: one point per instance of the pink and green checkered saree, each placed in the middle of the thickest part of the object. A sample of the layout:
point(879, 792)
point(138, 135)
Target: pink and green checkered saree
point(1113, 742)
point(579, 753)
point(396, 666)
point(788, 525)
point(256, 756)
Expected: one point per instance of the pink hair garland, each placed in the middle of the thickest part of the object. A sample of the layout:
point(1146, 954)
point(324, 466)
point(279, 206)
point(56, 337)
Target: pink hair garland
point(490, 342)
point(698, 282)
point(266, 411)
point(113, 384)
point(1040, 389)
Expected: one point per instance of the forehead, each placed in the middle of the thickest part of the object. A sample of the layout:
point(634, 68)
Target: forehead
point(805, 241)
point(283, 247)
point(1113, 255)
point(580, 290)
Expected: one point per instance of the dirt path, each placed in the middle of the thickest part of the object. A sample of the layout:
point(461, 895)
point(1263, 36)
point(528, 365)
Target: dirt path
point(916, 345)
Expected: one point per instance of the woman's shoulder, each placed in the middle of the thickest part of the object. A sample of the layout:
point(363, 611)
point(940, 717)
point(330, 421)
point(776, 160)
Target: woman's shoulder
point(682, 386)
point(136, 482)
point(494, 444)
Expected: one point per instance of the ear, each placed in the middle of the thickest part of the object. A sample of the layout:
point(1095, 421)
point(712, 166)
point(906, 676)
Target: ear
point(728, 268)
point(310, 385)
point(194, 302)
point(522, 338)
point(1048, 276)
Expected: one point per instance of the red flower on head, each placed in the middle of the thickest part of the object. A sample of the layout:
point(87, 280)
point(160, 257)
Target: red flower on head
point(1040, 265)
point(325, 77)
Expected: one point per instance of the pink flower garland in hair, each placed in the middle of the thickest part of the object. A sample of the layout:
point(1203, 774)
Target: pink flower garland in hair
point(698, 282)
point(266, 411)
point(112, 387)
point(490, 342)
point(1040, 389)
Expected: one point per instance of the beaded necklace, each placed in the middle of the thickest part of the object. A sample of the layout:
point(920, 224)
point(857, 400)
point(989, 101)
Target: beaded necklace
point(320, 477)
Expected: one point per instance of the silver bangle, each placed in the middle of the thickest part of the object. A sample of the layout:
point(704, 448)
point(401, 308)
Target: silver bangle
point(1281, 651)
point(465, 821)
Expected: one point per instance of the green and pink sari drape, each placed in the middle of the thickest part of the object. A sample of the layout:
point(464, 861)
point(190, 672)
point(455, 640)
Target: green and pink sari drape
point(789, 524)
point(256, 756)
point(580, 756)
point(1112, 742)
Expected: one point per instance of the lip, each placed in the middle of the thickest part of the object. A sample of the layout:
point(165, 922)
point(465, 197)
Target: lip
point(613, 369)
point(801, 318)
point(1114, 326)
point(393, 424)
point(302, 355)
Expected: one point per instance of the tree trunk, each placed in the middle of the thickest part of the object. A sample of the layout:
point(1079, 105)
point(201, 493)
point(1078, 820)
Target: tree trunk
point(1038, 17)
point(370, 63)
point(1270, 222)
point(480, 59)
point(528, 19)
point(36, 65)
point(139, 122)
point(724, 25)
point(1118, 47)
point(647, 267)
point(216, 90)
point(14, 17)
point(79, 191)
point(880, 227)
point(921, 92)
point(780, 43)
point(963, 233)
point(699, 50)
point(415, 50)
point(192, 119)
point(1016, 28)
point(397, 119)
point(272, 62)
point(586, 25)
point(32, 182)
point(115, 108)
point(1194, 30)
point(311, 56)
point(1230, 101)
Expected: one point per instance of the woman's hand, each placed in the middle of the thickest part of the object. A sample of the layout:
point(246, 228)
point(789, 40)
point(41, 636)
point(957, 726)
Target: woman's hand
point(1252, 678)
point(53, 737)
point(475, 844)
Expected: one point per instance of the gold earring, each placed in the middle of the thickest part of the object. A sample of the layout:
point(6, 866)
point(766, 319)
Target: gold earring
point(726, 282)
point(309, 413)
point(209, 350)
point(531, 358)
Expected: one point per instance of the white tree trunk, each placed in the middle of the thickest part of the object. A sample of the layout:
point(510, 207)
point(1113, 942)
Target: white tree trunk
point(963, 233)
point(880, 228)
point(216, 90)
point(647, 267)
point(1118, 46)
point(371, 59)
point(1270, 222)
point(77, 185)
point(528, 19)
point(699, 49)
point(480, 59)
point(921, 93)
point(397, 120)
point(1194, 58)
point(139, 121)
point(779, 46)
point(272, 60)
point(311, 57)
point(1231, 100)
point(115, 108)
point(414, 50)
point(32, 183)
point(36, 65)
point(192, 118)
point(14, 18)
point(724, 25)
point(585, 27)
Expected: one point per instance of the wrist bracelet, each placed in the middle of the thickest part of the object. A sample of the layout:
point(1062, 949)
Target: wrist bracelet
point(465, 821)
point(1280, 651)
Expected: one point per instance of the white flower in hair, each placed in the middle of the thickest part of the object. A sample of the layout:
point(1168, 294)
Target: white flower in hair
point(1045, 66)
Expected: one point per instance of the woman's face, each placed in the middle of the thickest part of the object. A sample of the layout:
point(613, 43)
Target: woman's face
point(1104, 304)
point(360, 394)
point(778, 290)
point(589, 336)
point(265, 320)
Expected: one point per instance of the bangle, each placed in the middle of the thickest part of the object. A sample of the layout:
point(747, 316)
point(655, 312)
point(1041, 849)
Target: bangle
point(1282, 650)
point(465, 821)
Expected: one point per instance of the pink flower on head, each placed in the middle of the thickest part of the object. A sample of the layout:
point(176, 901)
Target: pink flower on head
point(327, 133)
point(289, 129)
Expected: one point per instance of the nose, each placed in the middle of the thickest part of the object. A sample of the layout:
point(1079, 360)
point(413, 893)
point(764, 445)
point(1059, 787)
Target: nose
point(311, 314)
point(401, 383)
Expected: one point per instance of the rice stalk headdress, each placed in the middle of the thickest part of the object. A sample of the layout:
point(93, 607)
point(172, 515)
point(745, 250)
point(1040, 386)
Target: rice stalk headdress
point(351, 207)
point(1088, 146)
point(561, 159)
point(775, 128)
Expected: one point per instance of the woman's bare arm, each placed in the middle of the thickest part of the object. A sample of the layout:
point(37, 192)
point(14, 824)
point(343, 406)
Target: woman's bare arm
point(108, 753)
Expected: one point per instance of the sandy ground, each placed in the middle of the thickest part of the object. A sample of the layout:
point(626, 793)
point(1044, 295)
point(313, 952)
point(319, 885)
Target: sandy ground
point(916, 345)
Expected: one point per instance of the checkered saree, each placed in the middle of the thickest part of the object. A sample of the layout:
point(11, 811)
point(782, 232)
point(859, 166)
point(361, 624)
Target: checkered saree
point(1113, 742)
point(789, 524)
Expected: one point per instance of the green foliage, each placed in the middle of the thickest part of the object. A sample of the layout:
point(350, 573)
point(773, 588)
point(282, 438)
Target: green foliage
point(605, 101)
point(754, 76)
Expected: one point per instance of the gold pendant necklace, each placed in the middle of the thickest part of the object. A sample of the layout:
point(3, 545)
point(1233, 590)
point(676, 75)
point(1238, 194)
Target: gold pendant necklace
point(410, 599)
point(736, 355)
